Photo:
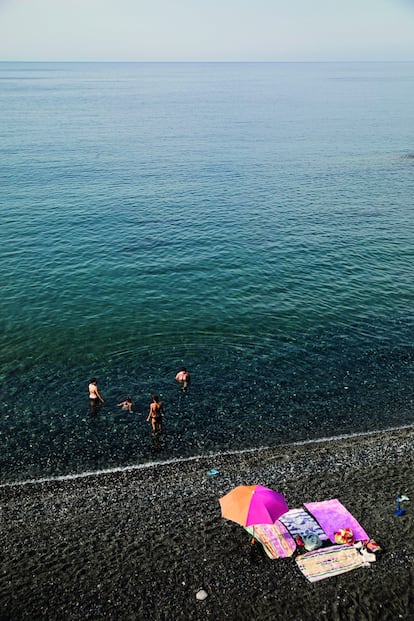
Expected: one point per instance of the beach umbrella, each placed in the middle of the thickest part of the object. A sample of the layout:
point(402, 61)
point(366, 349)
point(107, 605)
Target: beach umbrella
point(253, 504)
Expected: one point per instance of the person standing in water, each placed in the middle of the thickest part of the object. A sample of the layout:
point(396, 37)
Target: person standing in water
point(156, 410)
point(183, 378)
point(95, 397)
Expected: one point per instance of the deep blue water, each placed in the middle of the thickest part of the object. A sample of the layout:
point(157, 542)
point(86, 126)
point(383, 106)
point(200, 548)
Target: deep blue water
point(253, 222)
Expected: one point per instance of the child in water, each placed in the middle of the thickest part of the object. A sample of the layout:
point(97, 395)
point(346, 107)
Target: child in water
point(126, 405)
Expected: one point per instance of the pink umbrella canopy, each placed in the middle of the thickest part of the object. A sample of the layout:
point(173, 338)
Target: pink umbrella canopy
point(253, 504)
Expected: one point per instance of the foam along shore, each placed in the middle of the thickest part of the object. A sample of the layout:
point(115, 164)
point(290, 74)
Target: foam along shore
point(141, 543)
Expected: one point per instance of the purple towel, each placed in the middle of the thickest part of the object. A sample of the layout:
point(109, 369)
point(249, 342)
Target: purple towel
point(332, 515)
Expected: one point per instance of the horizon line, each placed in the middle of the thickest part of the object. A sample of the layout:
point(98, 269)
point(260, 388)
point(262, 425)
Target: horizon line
point(210, 61)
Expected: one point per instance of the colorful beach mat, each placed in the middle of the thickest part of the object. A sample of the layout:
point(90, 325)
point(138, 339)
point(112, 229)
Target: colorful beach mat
point(299, 523)
point(327, 562)
point(275, 539)
point(332, 516)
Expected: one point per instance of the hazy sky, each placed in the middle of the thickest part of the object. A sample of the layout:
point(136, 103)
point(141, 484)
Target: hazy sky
point(203, 30)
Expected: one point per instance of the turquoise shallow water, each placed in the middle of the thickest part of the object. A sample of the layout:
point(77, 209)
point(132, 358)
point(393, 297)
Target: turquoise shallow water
point(251, 221)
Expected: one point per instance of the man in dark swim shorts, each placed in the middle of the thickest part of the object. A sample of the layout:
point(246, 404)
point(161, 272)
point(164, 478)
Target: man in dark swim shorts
point(95, 398)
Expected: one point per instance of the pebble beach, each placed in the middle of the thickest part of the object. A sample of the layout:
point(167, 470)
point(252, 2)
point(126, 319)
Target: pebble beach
point(140, 543)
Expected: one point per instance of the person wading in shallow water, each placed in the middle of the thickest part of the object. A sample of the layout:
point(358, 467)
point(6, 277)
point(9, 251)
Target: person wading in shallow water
point(156, 411)
point(95, 398)
point(183, 378)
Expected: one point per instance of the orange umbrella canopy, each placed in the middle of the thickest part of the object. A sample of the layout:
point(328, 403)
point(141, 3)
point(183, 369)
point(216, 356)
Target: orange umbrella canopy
point(253, 504)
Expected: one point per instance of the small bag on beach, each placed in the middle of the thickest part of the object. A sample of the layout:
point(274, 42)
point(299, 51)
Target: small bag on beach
point(311, 542)
point(344, 535)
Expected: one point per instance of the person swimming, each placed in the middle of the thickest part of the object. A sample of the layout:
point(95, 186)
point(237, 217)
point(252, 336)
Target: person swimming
point(126, 405)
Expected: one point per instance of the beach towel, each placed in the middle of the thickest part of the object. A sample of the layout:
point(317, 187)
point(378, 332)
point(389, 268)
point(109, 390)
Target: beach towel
point(327, 562)
point(299, 523)
point(275, 539)
point(332, 516)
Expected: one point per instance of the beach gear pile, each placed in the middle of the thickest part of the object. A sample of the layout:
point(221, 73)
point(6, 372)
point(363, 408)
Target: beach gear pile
point(324, 537)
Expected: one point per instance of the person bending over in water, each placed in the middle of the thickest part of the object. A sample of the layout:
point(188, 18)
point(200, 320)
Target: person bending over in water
point(156, 411)
point(126, 405)
point(95, 398)
point(183, 378)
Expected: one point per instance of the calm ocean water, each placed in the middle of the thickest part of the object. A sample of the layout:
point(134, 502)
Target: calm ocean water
point(253, 222)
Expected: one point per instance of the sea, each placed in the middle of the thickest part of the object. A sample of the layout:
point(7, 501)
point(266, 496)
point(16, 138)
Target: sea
point(252, 222)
